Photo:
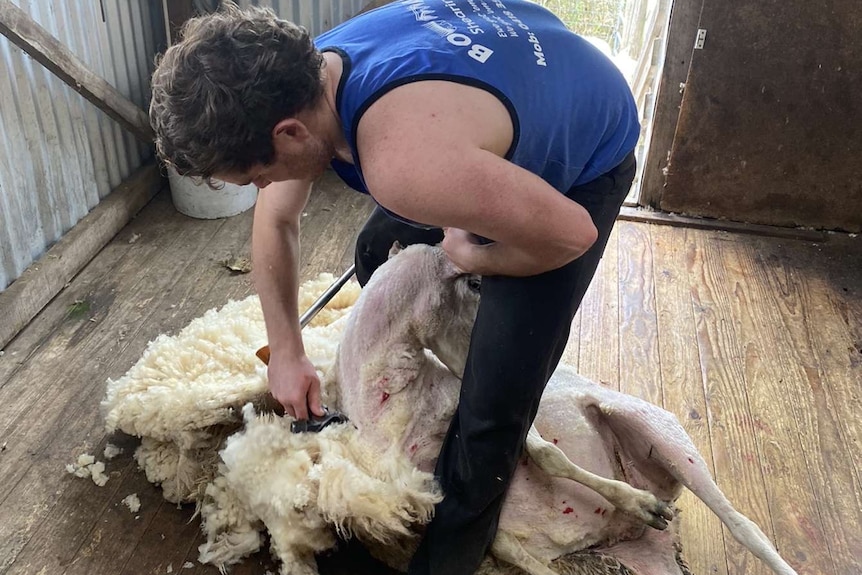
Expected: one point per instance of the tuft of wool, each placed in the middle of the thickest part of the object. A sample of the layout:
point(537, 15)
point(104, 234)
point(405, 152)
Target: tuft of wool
point(97, 472)
point(78, 470)
point(183, 398)
point(299, 485)
point(87, 466)
point(132, 502)
point(267, 467)
point(85, 459)
point(179, 472)
point(179, 384)
point(374, 496)
point(158, 459)
point(231, 531)
point(111, 451)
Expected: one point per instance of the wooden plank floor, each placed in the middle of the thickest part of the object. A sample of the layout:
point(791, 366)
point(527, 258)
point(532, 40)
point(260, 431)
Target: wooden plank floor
point(755, 343)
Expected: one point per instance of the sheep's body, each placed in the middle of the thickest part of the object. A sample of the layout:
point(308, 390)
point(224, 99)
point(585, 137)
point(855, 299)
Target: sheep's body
point(397, 395)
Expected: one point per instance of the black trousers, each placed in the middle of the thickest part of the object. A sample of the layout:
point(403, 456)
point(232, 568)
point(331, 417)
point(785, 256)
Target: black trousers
point(520, 333)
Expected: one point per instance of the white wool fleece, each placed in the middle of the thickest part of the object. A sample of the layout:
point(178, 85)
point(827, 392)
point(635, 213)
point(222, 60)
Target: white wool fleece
point(190, 380)
point(194, 379)
point(300, 485)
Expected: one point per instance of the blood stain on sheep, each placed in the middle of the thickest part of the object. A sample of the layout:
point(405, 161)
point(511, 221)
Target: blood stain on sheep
point(568, 510)
point(385, 397)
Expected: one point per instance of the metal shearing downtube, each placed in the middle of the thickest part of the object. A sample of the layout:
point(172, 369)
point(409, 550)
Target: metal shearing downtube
point(326, 297)
point(264, 353)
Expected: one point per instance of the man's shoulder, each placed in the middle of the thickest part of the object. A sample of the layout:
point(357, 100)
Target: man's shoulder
point(435, 110)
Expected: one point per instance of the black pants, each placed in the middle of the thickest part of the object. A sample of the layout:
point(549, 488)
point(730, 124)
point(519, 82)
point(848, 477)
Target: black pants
point(520, 333)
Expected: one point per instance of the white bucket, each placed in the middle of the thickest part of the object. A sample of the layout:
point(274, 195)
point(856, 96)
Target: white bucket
point(198, 200)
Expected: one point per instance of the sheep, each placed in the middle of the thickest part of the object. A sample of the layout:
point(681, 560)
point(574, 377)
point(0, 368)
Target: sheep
point(398, 394)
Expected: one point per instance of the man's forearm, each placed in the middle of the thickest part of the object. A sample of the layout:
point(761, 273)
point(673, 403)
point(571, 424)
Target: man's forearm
point(276, 257)
point(292, 379)
point(502, 259)
point(505, 260)
point(275, 249)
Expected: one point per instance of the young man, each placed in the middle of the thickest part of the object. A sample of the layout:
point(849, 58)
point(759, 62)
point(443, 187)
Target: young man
point(483, 124)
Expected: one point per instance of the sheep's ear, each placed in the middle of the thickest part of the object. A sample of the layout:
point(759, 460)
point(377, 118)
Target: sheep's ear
point(395, 249)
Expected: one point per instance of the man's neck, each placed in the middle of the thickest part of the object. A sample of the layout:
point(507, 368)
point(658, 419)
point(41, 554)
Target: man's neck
point(332, 122)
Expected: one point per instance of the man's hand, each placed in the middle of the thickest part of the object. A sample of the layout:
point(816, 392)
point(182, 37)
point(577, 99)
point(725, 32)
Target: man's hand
point(463, 249)
point(293, 382)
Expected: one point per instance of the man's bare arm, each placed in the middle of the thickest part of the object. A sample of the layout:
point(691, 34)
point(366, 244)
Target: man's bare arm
point(275, 247)
point(432, 152)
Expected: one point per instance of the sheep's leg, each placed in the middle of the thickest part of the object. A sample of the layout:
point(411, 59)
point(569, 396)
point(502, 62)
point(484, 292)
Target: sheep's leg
point(680, 457)
point(637, 502)
point(506, 547)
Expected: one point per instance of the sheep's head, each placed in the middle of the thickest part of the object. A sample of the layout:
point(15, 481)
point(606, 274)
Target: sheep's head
point(422, 287)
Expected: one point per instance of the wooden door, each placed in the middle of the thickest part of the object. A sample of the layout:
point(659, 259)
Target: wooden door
point(770, 122)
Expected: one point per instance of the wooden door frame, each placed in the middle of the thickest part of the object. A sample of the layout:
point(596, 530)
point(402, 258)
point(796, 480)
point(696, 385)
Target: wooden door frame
point(684, 20)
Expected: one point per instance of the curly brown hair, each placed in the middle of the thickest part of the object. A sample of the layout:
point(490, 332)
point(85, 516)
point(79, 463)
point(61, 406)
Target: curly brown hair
point(217, 94)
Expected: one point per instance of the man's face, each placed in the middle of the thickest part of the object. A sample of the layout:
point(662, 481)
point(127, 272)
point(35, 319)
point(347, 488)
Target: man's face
point(304, 158)
point(256, 175)
point(262, 175)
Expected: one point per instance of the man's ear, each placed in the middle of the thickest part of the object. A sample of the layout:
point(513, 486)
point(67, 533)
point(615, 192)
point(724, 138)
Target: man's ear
point(290, 129)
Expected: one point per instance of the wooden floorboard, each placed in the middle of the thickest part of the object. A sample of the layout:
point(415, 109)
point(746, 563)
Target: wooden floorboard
point(828, 342)
point(599, 345)
point(151, 555)
point(128, 311)
point(184, 300)
point(683, 387)
point(755, 343)
point(736, 451)
point(835, 291)
point(777, 403)
point(50, 411)
point(639, 359)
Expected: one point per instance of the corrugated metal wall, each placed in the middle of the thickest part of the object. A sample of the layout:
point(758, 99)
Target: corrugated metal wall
point(59, 154)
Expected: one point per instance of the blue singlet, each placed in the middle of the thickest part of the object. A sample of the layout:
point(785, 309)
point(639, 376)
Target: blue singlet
point(573, 114)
